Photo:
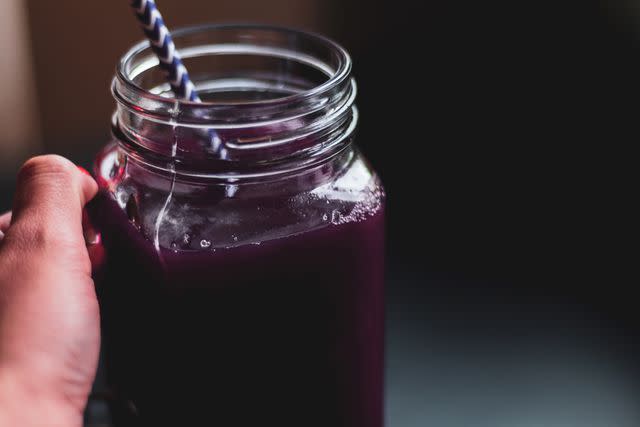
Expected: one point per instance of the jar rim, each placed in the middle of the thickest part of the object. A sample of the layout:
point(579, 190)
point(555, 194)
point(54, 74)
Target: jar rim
point(338, 76)
point(313, 119)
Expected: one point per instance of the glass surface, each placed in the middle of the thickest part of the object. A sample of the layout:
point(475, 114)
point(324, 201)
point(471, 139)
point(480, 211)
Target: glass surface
point(247, 290)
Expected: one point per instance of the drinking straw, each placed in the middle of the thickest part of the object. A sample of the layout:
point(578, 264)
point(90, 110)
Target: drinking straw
point(170, 60)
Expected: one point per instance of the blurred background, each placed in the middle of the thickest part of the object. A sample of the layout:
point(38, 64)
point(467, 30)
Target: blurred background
point(502, 130)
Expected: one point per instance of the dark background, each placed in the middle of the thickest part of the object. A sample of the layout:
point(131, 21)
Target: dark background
point(502, 131)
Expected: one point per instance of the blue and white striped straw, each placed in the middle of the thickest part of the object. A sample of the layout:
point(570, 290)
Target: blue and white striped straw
point(170, 61)
point(162, 45)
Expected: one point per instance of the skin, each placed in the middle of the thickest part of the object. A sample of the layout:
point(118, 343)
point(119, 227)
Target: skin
point(49, 317)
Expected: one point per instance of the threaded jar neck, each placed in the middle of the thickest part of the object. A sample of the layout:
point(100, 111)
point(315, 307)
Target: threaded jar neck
point(276, 98)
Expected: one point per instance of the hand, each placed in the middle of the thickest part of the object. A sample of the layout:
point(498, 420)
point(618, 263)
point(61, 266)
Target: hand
point(49, 318)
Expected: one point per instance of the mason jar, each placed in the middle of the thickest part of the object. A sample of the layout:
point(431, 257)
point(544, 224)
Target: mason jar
point(242, 285)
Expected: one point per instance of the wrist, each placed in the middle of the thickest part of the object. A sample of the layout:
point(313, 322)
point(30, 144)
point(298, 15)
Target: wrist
point(26, 405)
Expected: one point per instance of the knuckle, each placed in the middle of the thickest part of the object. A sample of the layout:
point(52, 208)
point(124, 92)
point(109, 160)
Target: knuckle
point(50, 165)
point(35, 238)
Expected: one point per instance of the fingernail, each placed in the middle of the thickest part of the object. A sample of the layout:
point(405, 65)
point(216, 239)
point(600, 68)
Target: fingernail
point(83, 170)
point(91, 236)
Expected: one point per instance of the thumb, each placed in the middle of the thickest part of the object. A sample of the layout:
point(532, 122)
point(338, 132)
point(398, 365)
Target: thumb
point(47, 208)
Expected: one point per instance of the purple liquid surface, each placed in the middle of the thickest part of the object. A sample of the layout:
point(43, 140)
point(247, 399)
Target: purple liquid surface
point(288, 332)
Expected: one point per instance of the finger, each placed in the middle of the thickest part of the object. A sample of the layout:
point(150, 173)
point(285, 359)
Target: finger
point(47, 207)
point(5, 221)
point(92, 237)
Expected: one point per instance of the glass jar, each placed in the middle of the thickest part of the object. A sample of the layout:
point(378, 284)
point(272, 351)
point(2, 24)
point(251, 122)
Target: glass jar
point(241, 287)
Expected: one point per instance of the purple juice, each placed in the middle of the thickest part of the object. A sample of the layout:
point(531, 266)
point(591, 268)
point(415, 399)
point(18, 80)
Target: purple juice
point(285, 331)
point(246, 291)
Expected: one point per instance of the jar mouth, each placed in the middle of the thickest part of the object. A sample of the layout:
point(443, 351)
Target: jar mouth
point(238, 38)
point(270, 95)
